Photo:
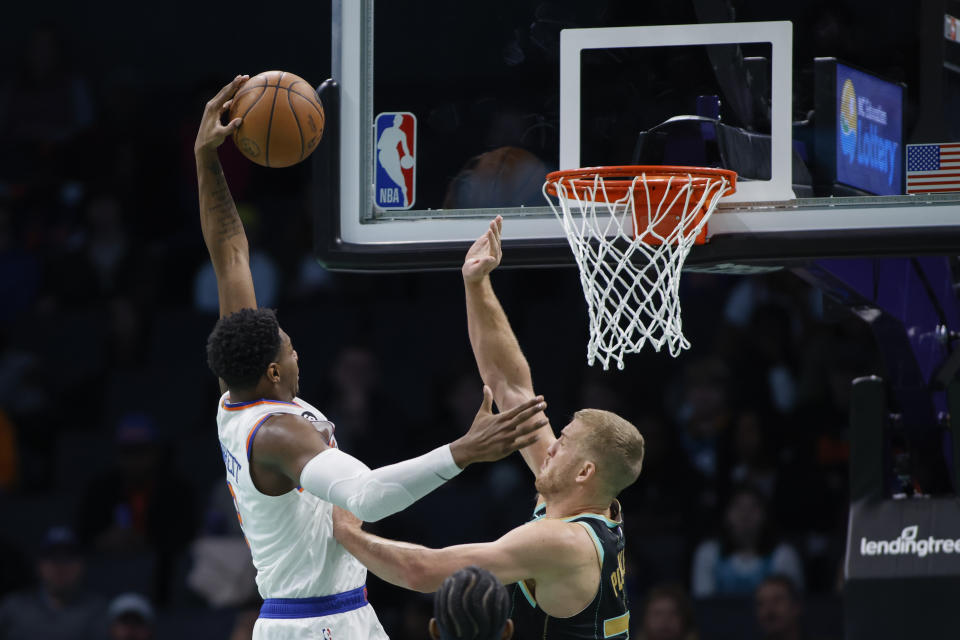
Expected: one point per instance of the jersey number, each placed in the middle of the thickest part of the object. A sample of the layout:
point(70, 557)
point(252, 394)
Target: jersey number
point(236, 506)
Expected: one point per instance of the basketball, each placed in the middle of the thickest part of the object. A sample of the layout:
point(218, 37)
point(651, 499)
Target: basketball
point(406, 162)
point(282, 119)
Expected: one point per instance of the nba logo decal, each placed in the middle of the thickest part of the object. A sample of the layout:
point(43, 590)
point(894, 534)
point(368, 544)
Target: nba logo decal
point(395, 160)
point(327, 634)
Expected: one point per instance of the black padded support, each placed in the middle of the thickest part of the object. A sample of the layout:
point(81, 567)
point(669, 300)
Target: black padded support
point(868, 411)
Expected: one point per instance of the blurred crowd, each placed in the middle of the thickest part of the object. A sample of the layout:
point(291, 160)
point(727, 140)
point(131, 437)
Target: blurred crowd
point(116, 522)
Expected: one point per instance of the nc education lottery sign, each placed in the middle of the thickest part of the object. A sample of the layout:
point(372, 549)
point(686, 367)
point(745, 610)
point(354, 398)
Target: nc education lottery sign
point(869, 132)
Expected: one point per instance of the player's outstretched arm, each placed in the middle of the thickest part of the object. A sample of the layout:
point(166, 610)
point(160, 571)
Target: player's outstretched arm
point(222, 229)
point(501, 361)
point(541, 550)
point(290, 445)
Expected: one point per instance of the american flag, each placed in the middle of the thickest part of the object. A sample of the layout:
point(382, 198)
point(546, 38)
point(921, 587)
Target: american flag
point(933, 168)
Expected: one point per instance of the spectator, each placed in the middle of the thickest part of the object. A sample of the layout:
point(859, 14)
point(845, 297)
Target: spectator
point(704, 413)
point(357, 399)
point(140, 504)
point(746, 553)
point(771, 354)
point(19, 272)
point(668, 615)
point(104, 263)
point(59, 609)
point(471, 605)
point(750, 458)
point(769, 315)
point(667, 491)
point(26, 399)
point(778, 609)
point(44, 105)
point(108, 243)
point(669, 512)
point(222, 570)
point(15, 570)
point(130, 617)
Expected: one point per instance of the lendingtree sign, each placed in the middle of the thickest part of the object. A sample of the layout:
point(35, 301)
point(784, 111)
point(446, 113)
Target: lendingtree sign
point(903, 538)
point(908, 543)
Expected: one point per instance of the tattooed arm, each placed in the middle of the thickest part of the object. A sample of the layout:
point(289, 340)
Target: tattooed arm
point(222, 230)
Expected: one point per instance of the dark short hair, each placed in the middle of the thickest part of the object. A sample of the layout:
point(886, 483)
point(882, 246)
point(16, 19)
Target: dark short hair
point(786, 582)
point(471, 604)
point(678, 596)
point(768, 539)
point(242, 345)
point(59, 543)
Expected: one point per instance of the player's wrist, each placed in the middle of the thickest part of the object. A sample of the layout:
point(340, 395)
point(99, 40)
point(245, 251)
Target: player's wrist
point(475, 281)
point(205, 150)
point(460, 450)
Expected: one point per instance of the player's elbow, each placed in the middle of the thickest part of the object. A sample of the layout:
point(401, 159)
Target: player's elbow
point(373, 500)
point(369, 512)
point(421, 575)
point(375, 503)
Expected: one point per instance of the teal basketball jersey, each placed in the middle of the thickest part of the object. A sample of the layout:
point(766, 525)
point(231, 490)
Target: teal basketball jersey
point(608, 615)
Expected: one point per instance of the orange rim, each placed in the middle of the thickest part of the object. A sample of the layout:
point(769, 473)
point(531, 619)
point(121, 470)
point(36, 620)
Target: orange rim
point(623, 176)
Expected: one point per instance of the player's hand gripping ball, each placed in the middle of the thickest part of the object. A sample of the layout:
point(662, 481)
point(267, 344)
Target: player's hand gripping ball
point(282, 119)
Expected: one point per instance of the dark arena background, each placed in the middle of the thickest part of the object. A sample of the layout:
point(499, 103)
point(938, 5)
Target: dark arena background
point(111, 477)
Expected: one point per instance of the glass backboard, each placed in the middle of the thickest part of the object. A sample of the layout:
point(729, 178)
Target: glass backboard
point(449, 114)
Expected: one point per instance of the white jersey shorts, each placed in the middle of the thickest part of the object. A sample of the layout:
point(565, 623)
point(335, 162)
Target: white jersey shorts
point(328, 618)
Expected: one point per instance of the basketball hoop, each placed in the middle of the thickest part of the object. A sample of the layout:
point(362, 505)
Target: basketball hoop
point(630, 229)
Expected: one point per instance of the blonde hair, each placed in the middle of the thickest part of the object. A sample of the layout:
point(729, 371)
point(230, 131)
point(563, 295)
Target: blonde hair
point(615, 445)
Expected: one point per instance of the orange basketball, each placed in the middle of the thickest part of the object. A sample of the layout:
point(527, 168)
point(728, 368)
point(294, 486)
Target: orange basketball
point(282, 119)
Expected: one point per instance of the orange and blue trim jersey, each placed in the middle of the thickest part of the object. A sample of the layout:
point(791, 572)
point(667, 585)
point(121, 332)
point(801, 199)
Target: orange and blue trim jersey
point(241, 406)
point(290, 536)
point(311, 414)
point(607, 615)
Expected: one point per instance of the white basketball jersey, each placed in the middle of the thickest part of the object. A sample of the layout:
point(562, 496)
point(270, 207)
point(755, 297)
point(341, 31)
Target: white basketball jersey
point(290, 536)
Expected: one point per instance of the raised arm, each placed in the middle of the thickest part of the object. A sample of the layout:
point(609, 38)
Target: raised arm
point(222, 230)
point(502, 364)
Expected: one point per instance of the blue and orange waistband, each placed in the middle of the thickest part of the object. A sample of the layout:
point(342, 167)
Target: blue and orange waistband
point(289, 608)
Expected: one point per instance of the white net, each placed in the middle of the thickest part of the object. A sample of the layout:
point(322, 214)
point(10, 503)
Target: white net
point(631, 278)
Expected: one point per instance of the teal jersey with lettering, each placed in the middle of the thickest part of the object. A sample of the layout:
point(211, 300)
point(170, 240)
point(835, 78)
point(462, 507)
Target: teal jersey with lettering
point(607, 615)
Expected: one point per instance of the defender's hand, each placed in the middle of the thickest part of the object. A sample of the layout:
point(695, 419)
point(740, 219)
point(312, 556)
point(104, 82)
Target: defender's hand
point(485, 253)
point(212, 134)
point(496, 435)
point(344, 522)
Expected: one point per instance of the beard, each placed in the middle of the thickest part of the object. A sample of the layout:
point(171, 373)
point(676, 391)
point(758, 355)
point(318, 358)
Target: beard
point(559, 475)
point(549, 482)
